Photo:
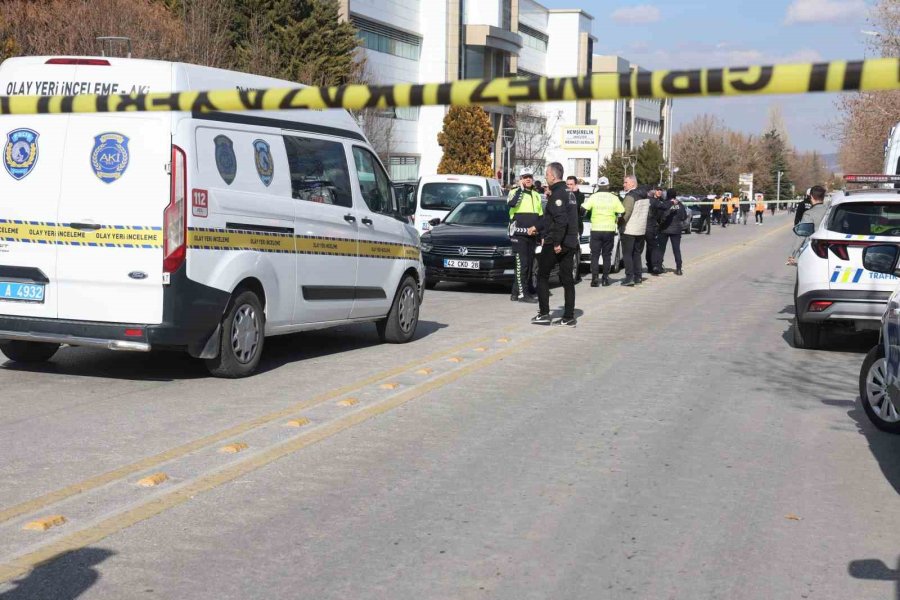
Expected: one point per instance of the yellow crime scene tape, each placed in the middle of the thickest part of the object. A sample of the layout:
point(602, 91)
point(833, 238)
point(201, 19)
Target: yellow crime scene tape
point(200, 238)
point(876, 74)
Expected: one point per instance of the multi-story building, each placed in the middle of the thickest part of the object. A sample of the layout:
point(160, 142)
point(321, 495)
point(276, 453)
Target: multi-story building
point(414, 41)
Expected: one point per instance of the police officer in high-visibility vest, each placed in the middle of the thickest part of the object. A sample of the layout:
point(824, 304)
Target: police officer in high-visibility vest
point(605, 209)
point(525, 212)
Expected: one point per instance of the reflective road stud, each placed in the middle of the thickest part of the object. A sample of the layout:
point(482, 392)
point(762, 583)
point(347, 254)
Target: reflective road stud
point(425, 371)
point(389, 386)
point(153, 480)
point(234, 448)
point(348, 402)
point(45, 523)
point(298, 422)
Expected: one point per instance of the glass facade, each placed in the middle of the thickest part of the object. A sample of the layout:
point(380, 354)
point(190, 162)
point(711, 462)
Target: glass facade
point(382, 38)
point(532, 38)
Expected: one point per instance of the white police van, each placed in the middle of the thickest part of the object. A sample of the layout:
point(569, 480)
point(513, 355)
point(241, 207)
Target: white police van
point(437, 195)
point(204, 232)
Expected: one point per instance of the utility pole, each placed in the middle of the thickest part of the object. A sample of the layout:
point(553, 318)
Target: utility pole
point(778, 190)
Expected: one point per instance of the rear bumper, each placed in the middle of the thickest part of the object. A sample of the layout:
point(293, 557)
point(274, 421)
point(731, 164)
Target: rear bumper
point(191, 314)
point(847, 305)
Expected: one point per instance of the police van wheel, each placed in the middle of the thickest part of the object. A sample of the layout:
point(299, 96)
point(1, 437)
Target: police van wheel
point(243, 334)
point(400, 325)
point(28, 352)
point(874, 394)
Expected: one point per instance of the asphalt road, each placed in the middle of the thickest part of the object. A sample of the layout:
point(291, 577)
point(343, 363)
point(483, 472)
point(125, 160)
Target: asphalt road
point(674, 445)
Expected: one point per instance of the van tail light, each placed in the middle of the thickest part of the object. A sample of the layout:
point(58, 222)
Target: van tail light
point(175, 216)
point(840, 250)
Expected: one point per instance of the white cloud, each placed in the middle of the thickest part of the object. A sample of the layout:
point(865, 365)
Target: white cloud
point(640, 14)
point(824, 11)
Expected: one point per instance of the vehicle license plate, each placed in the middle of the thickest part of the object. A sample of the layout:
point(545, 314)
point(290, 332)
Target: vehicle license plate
point(21, 292)
point(451, 263)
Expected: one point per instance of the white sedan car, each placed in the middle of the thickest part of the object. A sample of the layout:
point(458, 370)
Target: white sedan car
point(833, 287)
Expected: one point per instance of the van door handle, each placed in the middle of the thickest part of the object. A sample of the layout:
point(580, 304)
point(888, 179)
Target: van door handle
point(350, 218)
point(366, 221)
point(88, 226)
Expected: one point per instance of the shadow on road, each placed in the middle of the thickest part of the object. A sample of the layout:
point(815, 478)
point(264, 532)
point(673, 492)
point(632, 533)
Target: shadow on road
point(172, 366)
point(65, 578)
point(833, 338)
point(885, 447)
point(872, 569)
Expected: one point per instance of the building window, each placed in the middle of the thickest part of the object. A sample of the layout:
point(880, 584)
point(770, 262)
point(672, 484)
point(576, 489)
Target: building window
point(527, 74)
point(382, 38)
point(532, 38)
point(484, 63)
point(404, 168)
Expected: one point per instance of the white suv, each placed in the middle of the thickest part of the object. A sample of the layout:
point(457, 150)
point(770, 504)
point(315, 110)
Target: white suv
point(832, 285)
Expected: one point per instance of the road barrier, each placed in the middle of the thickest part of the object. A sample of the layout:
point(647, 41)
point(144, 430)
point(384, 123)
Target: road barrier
point(837, 76)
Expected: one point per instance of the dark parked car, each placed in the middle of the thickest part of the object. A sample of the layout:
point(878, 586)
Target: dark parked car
point(471, 244)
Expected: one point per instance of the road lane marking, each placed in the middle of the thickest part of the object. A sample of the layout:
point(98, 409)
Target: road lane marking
point(150, 462)
point(22, 564)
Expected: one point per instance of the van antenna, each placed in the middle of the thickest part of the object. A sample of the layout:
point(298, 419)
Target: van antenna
point(109, 41)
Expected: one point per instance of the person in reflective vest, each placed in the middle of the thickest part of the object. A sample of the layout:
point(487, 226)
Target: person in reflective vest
point(605, 209)
point(525, 212)
point(760, 208)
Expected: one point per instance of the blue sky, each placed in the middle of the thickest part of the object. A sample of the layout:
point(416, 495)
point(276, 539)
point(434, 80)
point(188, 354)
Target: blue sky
point(665, 34)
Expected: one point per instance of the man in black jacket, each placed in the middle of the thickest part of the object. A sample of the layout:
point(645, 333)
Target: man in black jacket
point(658, 208)
point(559, 231)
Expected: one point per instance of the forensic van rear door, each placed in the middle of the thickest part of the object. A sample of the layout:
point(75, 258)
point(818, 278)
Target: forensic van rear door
point(114, 188)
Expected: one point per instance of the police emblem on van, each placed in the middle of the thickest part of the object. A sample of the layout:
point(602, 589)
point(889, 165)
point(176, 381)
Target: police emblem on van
point(226, 162)
point(110, 156)
point(265, 166)
point(21, 152)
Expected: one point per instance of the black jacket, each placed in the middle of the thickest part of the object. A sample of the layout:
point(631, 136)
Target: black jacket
point(673, 218)
point(560, 225)
point(658, 209)
point(579, 199)
point(802, 208)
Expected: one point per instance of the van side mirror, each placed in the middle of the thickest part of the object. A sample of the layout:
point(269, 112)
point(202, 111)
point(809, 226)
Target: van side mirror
point(434, 222)
point(804, 229)
point(881, 258)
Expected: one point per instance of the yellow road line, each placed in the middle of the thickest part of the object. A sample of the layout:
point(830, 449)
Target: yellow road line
point(150, 462)
point(23, 564)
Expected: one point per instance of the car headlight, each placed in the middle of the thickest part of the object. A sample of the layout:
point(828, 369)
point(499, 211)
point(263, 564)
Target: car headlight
point(426, 246)
point(507, 252)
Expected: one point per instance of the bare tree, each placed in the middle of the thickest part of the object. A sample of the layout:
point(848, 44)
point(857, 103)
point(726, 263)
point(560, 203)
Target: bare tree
point(207, 33)
point(533, 138)
point(72, 26)
point(706, 161)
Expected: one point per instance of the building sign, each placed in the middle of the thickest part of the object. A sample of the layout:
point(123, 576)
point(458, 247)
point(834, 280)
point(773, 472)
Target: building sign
point(580, 137)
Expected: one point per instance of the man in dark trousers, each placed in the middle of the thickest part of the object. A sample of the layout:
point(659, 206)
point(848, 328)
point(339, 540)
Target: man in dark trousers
point(658, 208)
point(559, 231)
point(525, 212)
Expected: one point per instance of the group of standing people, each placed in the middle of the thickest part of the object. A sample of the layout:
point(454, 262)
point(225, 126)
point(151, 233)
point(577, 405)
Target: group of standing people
point(731, 210)
point(644, 217)
point(653, 217)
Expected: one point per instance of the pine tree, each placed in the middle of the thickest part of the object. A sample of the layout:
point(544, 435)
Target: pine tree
point(467, 138)
point(649, 158)
point(776, 153)
point(614, 169)
point(297, 40)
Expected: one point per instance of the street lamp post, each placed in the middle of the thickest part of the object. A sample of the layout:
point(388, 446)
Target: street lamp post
point(778, 190)
point(662, 170)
